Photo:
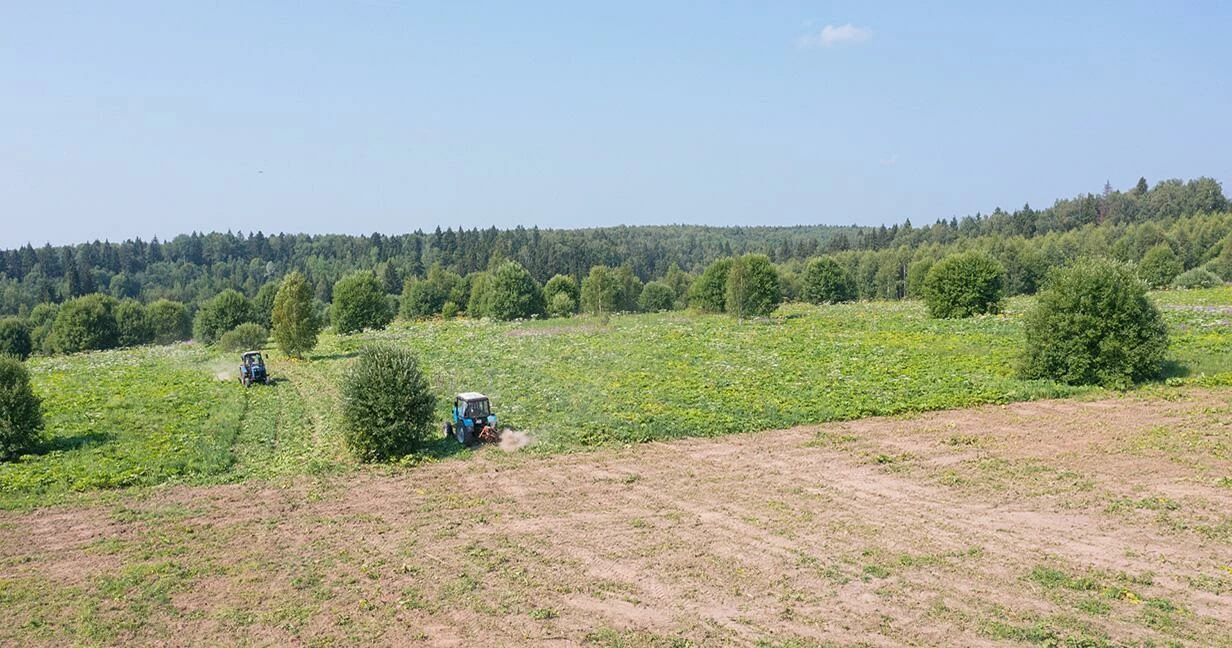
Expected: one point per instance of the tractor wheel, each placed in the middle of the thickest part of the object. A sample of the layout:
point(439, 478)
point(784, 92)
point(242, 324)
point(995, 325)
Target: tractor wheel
point(448, 431)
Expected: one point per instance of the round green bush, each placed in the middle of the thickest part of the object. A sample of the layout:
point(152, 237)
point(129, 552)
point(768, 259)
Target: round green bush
point(134, 323)
point(965, 284)
point(752, 288)
point(225, 311)
point(169, 321)
point(1160, 266)
point(827, 282)
point(360, 303)
point(656, 296)
point(1093, 324)
point(512, 293)
point(387, 404)
point(15, 338)
point(86, 323)
point(244, 337)
point(21, 414)
point(1197, 278)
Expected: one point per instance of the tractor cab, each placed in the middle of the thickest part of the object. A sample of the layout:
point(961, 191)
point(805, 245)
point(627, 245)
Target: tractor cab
point(252, 369)
point(471, 419)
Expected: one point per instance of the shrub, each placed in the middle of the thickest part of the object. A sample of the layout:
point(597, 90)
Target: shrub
point(656, 296)
point(477, 304)
point(360, 303)
point(1160, 266)
point(15, 338)
point(512, 293)
point(134, 323)
point(827, 282)
point(86, 323)
point(296, 326)
point(244, 337)
point(709, 292)
point(1197, 278)
point(561, 285)
point(42, 319)
point(420, 299)
point(449, 310)
point(1093, 324)
point(752, 287)
point(962, 285)
point(227, 310)
point(387, 404)
point(169, 321)
point(21, 414)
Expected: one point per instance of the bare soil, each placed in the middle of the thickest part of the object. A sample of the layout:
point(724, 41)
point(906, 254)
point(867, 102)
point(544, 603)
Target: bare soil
point(1105, 522)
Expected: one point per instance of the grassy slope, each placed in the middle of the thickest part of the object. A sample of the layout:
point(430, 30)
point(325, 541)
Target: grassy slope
point(153, 415)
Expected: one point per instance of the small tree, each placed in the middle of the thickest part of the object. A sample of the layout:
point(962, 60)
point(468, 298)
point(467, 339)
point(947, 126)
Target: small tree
point(561, 285)
point(359, 303)
point(248, 335)
point(752, 287)
point(709, 292)
point(227, 310)
point(477, 304)
point(656, 296)
point(86, 324)
point(827, 282)
point(169, 321)
point(601, 291)
point(964, 284)
point(15, 338)
point(1160, 266)
point(296, 326)
point(513, 293)
point(263, 303)
point(1094, 324)
point(21, 413)
point(134, 323)
point(387, 404)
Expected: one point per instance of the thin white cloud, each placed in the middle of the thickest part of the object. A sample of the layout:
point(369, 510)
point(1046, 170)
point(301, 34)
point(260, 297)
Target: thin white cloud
point(890, 161)
point(832, 36)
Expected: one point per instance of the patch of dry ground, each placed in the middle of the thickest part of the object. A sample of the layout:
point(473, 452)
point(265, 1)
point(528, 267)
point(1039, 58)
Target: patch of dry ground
point(1045, 522)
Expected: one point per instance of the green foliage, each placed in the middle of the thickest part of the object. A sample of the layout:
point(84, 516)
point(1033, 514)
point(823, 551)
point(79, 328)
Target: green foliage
point(245, 337)
point(1160, 266)
point(449, 310)
point(296, 325)
point(21, 414)
point(426, 297)
point(227, 310)
point(169, 321)
point(387, 405)
point(916, 272)
point(709, 292)
point(479, 295)
point(134, 323)
point(15, 338)
point(1094, 324)
point(657, 296)
point(263, 303)
point(511, 293)
point(680, 281)
point(85, 324)
point(1197, 278)
point(752, 287)
point(601, 291)
point(962, 285)
point(359, 303)
point(827, 282)
point(42, 319)
point(562, 285)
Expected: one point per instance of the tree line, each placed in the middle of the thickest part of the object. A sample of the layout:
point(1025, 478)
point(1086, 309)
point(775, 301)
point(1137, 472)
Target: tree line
point(205, 286)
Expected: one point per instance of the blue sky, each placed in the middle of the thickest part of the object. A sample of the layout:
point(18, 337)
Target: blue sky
point(123, 119)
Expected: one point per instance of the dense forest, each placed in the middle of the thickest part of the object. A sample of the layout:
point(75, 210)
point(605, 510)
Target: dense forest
point(1191, 219)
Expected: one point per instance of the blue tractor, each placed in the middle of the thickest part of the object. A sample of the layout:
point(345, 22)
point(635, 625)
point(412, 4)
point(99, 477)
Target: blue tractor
point(252, 369)
point(471, 420)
